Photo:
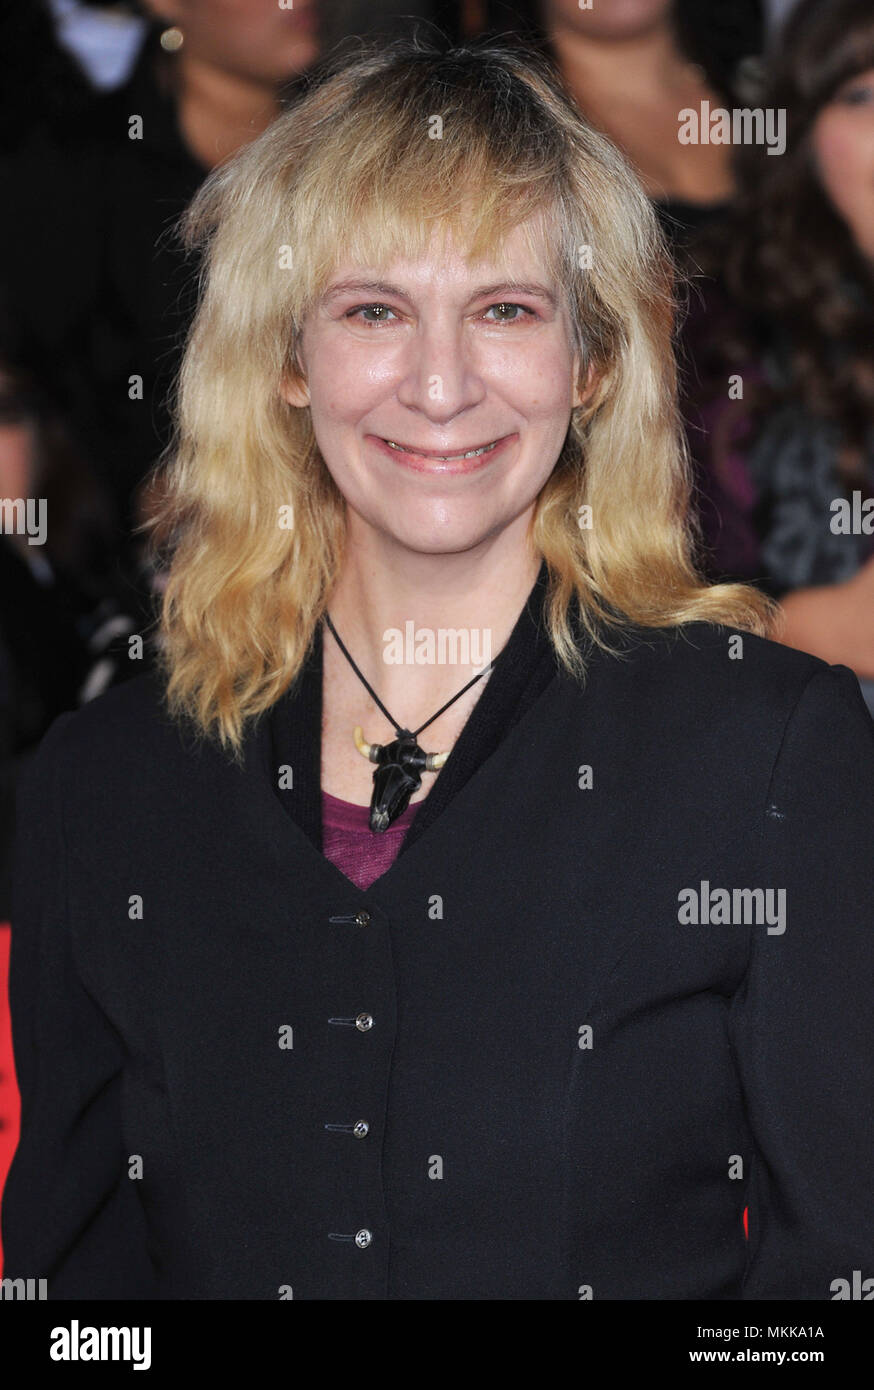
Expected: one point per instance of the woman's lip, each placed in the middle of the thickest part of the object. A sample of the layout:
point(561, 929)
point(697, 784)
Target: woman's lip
point(441, 453)
point(433, 462)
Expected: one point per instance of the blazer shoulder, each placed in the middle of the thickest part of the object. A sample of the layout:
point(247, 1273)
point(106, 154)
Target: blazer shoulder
point(705, 675)
point(709, 651)
point(127, 725)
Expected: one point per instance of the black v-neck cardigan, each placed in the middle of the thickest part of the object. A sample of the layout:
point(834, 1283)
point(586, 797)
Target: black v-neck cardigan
point(510, 1069)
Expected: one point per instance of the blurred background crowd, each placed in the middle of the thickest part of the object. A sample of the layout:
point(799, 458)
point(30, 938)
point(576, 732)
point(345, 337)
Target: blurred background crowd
point(111, 114)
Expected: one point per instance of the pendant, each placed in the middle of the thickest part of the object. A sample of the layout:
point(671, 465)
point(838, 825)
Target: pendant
point(399, 768)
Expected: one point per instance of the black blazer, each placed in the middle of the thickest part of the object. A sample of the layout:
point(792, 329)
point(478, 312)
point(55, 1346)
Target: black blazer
point(563, 1087)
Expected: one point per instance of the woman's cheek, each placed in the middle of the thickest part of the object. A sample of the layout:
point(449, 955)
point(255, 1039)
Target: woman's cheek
point(845, 162)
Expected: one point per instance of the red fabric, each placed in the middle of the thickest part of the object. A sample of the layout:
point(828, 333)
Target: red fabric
point(9, 1104)
point(348, 841)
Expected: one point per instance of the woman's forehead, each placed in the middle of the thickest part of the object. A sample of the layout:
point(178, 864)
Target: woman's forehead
point(446, 261)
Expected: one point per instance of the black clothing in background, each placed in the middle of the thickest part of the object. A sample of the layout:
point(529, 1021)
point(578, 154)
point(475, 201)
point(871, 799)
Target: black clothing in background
point(58, 648)
point(43, 664)
point(95, 289)
point(39, 78)
point(178, 1142)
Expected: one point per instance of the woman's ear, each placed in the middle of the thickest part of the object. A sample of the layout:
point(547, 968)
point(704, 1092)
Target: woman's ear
point(582, 396)
point(294, 390)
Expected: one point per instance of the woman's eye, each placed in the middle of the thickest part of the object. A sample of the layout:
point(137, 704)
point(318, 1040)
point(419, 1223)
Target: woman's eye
point(517, 318)
point(508, 313)
point(382, 309)
point(857, 96)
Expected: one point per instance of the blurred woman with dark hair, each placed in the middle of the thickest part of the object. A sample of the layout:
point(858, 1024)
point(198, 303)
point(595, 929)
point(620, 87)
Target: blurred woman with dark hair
point(780, 349)
point(631, 66)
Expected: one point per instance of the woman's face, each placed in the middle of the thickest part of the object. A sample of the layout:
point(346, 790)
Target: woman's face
point(843, 146)
point(442, 358)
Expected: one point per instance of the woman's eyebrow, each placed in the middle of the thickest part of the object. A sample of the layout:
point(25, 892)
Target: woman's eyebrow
point(383, 287)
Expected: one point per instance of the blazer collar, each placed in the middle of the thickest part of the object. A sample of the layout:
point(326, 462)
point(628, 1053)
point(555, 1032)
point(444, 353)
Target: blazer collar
point(521, 672)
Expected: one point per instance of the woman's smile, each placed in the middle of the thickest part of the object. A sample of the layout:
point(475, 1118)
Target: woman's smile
point(429, 461)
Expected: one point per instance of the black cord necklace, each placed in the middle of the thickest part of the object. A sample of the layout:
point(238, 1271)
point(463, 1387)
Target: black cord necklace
point(399, 764)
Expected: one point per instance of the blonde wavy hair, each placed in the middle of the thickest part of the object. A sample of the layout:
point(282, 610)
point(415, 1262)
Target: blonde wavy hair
point(354, 165)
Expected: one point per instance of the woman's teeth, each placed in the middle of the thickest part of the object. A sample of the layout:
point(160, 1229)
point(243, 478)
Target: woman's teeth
point(444, 458)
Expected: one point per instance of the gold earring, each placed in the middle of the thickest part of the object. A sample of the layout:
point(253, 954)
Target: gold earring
point(172, 39)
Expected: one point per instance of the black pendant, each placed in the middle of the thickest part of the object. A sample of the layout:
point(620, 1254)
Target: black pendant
point(398, 774)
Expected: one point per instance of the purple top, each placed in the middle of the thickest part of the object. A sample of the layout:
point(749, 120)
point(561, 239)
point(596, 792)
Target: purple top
point(348, 841)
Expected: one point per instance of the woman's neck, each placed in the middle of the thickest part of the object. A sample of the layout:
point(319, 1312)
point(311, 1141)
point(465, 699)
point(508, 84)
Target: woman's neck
point(633, 91)
point(388, 611)
point(645, 64)
point(219, 112)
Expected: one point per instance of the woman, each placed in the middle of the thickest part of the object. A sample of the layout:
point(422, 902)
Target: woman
point(632, 66)
point(525, 1053)
point(781, 374)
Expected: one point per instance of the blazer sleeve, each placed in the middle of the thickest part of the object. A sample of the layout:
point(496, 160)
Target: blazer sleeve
point(70, 1214)
point(802, 1023)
